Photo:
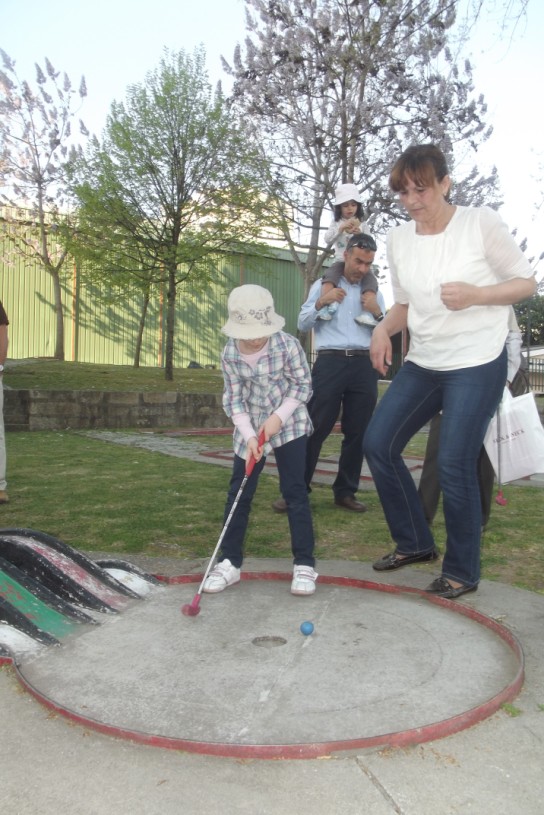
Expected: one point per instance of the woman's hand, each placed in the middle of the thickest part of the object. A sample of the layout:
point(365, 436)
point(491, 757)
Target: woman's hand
point(381, 350)
point(457, 296)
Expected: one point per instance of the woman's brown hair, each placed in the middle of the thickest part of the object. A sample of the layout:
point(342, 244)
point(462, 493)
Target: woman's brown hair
point(423, 164)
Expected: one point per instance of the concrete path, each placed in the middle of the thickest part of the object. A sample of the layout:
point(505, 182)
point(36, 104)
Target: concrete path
point(356, 675)
point(51, 766)
point(192, 445)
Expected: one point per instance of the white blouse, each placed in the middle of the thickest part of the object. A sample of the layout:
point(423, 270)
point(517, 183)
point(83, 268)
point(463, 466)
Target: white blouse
point(476, 247)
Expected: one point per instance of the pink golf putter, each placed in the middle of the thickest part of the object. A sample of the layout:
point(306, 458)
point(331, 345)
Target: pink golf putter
point(193, 608)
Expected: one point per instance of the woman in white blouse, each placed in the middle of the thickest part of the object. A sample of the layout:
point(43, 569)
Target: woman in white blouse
point(455, 271)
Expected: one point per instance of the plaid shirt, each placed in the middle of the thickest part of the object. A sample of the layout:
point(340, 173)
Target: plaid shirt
point(280, 373)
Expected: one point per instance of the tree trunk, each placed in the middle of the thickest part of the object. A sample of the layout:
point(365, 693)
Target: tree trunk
point(59, 315)
point(170, 324)
point(141, 326)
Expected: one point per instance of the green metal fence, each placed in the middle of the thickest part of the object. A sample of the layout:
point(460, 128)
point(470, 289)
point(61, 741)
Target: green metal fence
point(101, 325)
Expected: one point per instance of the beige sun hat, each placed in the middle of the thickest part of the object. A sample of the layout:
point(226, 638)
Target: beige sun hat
point(251, 314)
point(346, 192)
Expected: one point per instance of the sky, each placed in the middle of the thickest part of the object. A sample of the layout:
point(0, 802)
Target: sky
point(114, 43)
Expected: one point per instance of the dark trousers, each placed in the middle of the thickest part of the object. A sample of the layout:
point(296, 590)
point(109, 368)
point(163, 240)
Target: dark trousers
point(429, 489)
point(348, 385)
point(290, 460)
point(429, 486)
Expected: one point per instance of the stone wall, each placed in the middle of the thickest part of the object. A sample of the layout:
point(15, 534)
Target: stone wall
point(85, 410)
point(82, 410)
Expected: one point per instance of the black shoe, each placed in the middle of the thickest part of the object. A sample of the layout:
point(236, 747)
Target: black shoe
point(351, 503)
point(396, 561)
point(443, 588)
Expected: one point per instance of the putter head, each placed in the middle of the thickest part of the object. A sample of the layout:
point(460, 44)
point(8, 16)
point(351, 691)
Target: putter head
point(191, 609)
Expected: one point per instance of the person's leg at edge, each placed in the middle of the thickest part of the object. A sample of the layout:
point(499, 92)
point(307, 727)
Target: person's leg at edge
point(3, 483)
point(358, 403)
point(429, 485)
point(470, 398)
point(290, 460)
point(486, 481)
point(411, 400)
point(323, 407)
point(233, 541)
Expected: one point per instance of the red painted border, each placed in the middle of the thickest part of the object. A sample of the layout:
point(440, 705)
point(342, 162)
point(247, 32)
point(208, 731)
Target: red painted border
point(401, 738)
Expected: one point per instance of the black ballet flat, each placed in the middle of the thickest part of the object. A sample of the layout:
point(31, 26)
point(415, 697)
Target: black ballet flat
point(443, 588)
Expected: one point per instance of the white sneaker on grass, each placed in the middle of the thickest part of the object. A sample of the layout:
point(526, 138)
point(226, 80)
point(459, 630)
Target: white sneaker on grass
point(304, 578)
point(224, 574)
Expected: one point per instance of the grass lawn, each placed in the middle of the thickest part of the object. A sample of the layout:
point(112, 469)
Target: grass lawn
point(50, 374)
point(105, 497)
point(110, 498)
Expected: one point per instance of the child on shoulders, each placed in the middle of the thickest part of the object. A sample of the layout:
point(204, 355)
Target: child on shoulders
point(347, 222)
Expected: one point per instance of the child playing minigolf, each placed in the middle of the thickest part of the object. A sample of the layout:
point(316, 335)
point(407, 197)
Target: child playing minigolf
point(267, 385)
point(347, 222)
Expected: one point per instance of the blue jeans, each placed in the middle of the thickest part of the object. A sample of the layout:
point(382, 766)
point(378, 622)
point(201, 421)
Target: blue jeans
point(468, 398)
point(290, 461)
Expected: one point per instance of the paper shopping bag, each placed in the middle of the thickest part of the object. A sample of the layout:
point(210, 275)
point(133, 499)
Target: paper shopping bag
point(515, 438)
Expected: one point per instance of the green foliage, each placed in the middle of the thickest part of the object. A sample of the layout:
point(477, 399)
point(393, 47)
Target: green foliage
point(172, 183)
point(530, 316)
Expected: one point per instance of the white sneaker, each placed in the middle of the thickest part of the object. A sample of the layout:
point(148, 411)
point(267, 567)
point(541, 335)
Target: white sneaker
point(224, 574)
point(366, 319)
point(304, 578)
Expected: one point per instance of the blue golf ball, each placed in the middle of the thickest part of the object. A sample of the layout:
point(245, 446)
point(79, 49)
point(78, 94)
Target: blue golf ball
point(306, 628)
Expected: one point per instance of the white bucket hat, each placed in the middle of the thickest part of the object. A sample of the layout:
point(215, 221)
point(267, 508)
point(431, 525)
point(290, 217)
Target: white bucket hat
point(251, 314)
point(346, 192)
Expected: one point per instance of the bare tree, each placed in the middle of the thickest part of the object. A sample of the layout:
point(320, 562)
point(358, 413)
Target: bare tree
point(336, 89)
point(35, 140)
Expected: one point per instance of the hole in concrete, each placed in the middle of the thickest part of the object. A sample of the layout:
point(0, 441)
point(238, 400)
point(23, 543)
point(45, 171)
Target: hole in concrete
point(269, 642)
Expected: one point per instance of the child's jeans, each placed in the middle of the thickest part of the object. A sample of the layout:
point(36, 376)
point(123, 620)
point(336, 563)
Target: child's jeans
point(290, 461)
